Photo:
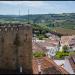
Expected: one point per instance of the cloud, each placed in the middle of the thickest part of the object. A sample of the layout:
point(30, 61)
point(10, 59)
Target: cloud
point(34, 3)
point(11, 2)
point(36, 6)
point(27, 3)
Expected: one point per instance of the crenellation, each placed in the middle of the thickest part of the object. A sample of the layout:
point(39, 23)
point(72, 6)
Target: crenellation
point(10, 27)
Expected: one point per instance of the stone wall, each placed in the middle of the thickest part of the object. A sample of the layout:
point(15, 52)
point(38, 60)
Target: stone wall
point(16, 47)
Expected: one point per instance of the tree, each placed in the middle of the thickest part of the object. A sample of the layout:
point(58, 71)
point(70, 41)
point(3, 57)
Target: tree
point(58, 55)
point(62, 54)
point(65, 48)
point(40, 36)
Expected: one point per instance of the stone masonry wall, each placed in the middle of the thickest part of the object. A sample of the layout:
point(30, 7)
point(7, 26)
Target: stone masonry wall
point(15, 55)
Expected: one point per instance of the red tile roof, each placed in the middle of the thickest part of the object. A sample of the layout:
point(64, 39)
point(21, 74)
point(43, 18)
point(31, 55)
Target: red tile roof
point(68, 40)
point(48, 66)
point(38, 47)
point(53, 41)
point(35, 47)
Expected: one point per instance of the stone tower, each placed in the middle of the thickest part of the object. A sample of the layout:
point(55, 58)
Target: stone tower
point(15, 48)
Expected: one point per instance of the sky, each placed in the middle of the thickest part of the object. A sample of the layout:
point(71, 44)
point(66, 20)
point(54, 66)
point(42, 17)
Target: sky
point(36, 7)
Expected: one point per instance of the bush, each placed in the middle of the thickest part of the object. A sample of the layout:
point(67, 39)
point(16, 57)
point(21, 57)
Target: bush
point(65, 48)
point(58, 55)
point(39, 54)
point(62, 54)
point(40, 36)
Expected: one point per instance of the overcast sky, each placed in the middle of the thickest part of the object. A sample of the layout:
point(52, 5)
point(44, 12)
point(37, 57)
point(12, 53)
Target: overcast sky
point(36, 7)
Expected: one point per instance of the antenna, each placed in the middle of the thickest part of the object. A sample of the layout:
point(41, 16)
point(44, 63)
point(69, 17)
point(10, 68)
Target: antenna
point(19, 11)
point(19, 14)
point(28, 15)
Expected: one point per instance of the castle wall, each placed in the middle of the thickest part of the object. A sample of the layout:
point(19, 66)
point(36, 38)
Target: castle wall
point(14, 56)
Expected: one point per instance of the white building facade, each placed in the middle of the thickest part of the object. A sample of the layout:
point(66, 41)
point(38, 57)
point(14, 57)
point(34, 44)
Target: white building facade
point(51, 51)
point(67, 66)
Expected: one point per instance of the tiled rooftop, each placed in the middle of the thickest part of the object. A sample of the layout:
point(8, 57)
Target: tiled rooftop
point(43, 45)
point(35, 47)
point(68, 40)
point(48, 66)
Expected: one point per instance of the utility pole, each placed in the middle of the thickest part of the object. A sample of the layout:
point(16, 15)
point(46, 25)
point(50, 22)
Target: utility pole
point(28, 15)
point(19, 12)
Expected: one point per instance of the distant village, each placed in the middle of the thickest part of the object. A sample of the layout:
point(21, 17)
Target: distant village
point(59, 51)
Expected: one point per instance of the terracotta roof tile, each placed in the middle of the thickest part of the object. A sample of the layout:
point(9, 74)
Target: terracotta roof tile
point(48, 66)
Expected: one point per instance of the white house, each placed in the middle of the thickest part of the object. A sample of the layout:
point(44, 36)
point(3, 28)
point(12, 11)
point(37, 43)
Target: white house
point(51, 51)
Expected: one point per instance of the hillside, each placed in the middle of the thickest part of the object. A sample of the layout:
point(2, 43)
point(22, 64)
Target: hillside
point(64, 20)
point(64, 31)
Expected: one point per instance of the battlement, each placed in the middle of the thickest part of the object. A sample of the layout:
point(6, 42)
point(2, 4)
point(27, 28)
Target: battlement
point(14, 26)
